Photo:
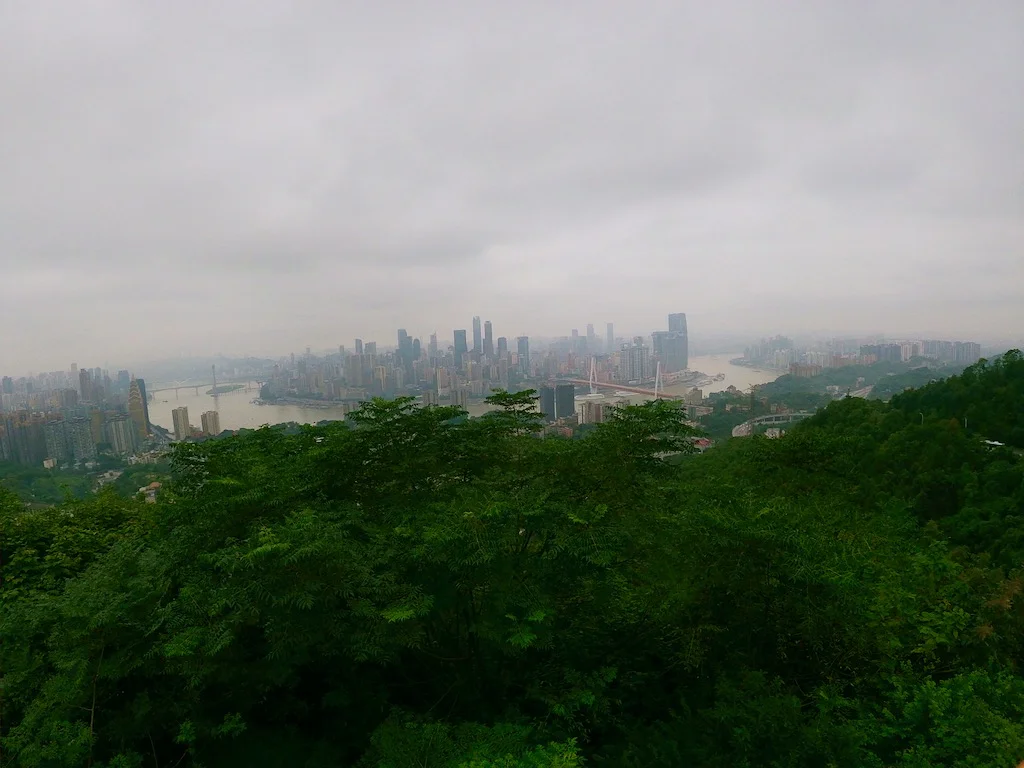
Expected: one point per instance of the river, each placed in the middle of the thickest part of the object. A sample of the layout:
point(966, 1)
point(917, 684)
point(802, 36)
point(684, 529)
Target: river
point(738, 376)
point(237, 410)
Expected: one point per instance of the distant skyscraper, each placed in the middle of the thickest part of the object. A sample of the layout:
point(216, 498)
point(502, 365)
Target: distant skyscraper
point(460, 346)
point(405, 351)
point(610, 338)
point(182, 428)
point(677, 325)
point(85, 385)
point(523, 351)
point(370, 347)
point(432, 347)
point(211, 423)
point(591, 338)
point(145, 403)
point(478, 344)
point(359, 346)
point(502, 346)
point(670, 349)
point(137, 409)
point(565, 400)
point(547, 403)
point(124, 380)
point(488, 339)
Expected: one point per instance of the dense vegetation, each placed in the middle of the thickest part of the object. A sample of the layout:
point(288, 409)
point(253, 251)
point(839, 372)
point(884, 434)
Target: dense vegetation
point(44, 486)
point(887, 378)
point(417, 589)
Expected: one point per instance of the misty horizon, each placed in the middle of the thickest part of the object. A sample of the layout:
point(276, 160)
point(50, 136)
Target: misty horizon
point(252, 178)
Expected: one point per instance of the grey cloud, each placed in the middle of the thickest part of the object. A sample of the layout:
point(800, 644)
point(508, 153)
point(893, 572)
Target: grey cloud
point(353, 167)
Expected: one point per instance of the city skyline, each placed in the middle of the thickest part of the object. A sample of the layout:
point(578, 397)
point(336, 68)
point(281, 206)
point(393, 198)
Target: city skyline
point(307, 175)
point(734, 341)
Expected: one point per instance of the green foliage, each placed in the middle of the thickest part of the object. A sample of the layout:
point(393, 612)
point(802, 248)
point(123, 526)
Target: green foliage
point(414, 588)
point(44, 486)
point(989, 395)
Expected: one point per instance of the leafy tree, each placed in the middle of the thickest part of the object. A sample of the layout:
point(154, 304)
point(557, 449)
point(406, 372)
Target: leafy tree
point(412, 587)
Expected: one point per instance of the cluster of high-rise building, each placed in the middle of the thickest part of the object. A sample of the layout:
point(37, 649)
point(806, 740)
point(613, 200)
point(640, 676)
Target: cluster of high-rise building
point(780, 353)
point(966, 352)
point(183, 428)
point(452, 372)
point(473, 364)
point(64, 417)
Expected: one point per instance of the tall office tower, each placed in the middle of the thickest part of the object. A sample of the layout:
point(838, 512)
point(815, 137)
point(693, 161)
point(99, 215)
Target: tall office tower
point(145, 403)
point(370, 347)
point(80, 439)
point(547, 403)
point(488, 339)
point(502, 346)
point(122, 434)
point(432, 347)
point(591, 338)
point(182, 429)
point(359, 346)
point(610, 338)
point(460, 346)
point(565, 400)
point(137, 409)
point(7, 385)
point(478, 344)
point(405, 351)
point(417, 349)
point(670, 349)
point(124, 380)
point(85, 385)
point(677, 324)
point(523, 351)
point(211, 423)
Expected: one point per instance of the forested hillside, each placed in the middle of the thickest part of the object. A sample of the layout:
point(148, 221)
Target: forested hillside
point(417, 589)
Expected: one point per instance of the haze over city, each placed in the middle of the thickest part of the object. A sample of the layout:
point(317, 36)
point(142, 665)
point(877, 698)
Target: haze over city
point(258, 177)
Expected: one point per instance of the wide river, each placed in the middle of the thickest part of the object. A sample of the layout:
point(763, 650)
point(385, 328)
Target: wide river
point(238, 412)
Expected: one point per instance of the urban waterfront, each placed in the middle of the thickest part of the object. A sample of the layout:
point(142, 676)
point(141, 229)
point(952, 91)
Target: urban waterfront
point(237, 411)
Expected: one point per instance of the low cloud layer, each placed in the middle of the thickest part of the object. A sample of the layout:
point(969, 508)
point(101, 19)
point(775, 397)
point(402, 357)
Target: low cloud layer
point(258, 176)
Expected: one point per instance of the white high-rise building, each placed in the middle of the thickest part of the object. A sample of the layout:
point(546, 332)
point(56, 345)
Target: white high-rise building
point(182, 428)
point(635, 361)
point(211, 423)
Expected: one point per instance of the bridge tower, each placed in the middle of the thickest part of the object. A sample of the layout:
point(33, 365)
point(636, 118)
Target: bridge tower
point(593, 375)
point(657, 382)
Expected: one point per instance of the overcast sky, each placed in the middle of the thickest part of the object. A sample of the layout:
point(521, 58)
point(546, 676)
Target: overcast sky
point(256, 176)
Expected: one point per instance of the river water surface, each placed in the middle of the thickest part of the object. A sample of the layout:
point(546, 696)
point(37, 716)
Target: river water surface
point(237, 411)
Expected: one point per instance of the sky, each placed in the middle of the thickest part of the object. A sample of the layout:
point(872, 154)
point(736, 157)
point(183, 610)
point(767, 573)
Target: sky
point(256, 176)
